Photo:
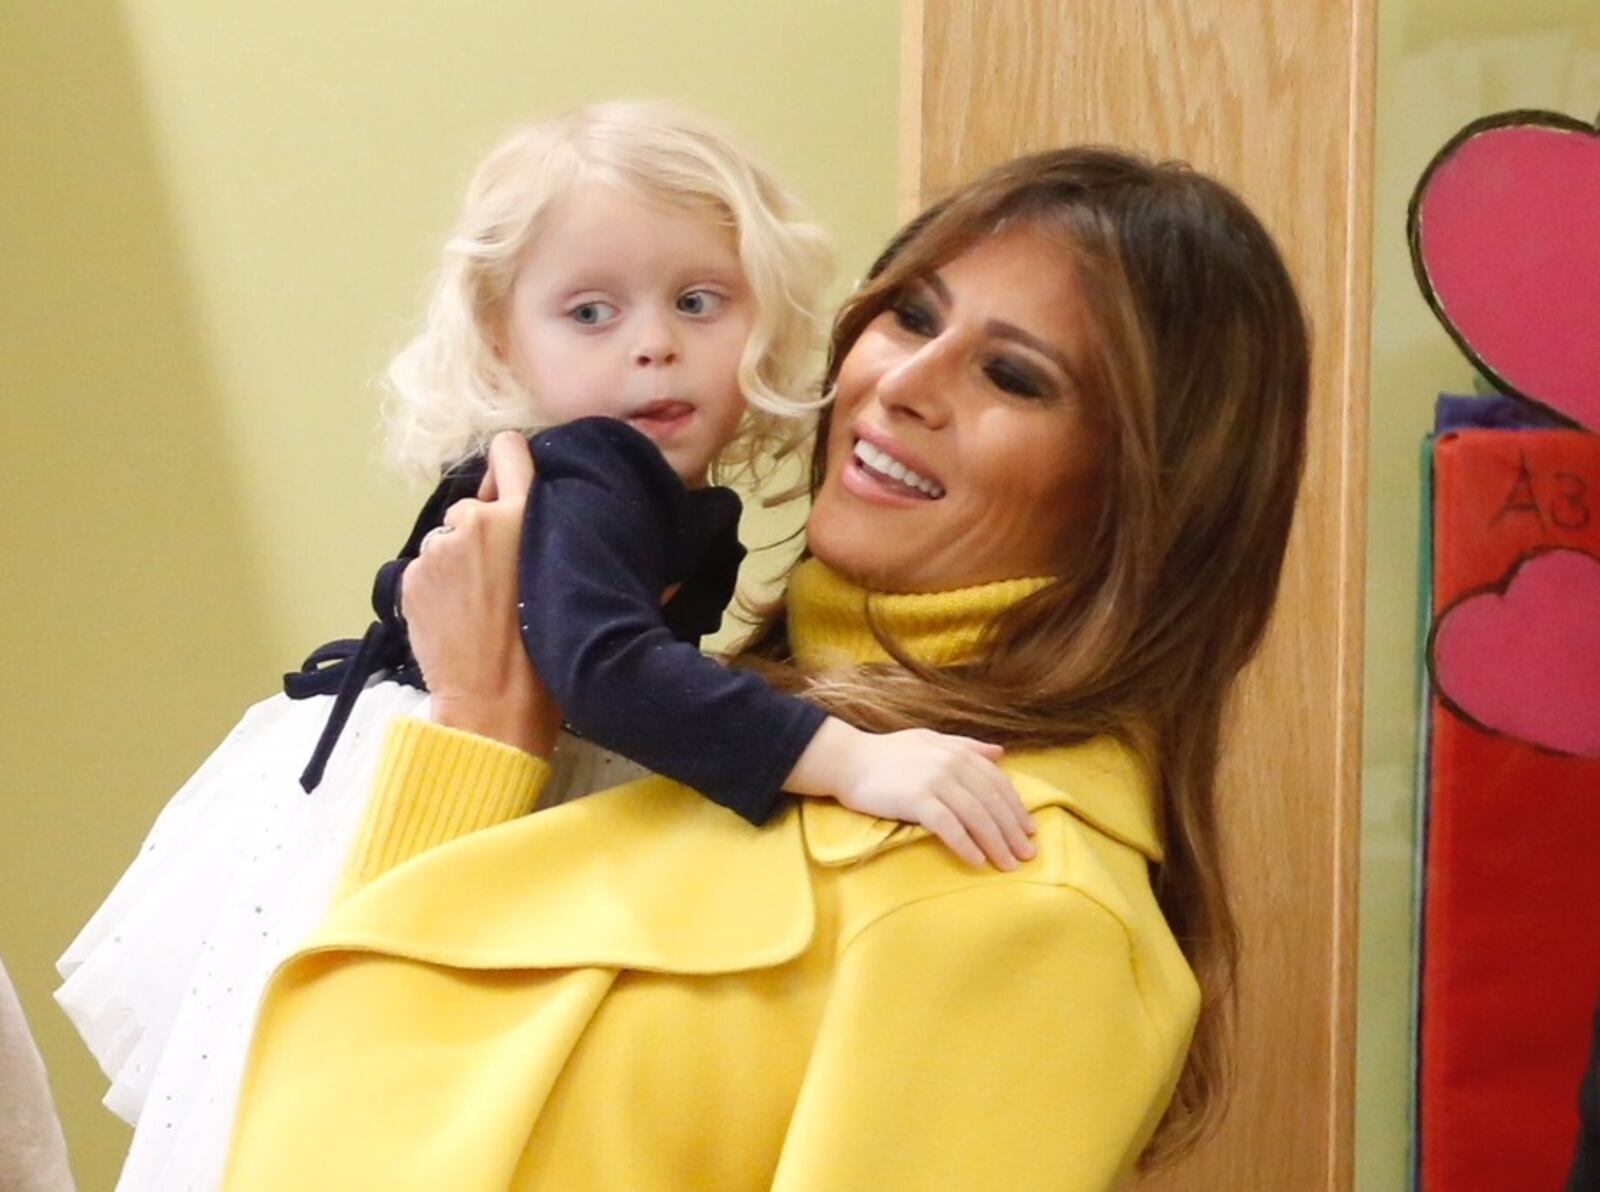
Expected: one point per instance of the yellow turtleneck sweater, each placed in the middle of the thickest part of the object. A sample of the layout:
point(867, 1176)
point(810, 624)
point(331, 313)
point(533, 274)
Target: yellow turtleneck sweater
point(829, 624)
point(829, 627)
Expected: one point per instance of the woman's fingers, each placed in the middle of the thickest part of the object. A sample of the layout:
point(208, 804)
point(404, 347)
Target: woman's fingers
point(459, 601)
point(431, 537)
point(510, 471)
point(463, 513)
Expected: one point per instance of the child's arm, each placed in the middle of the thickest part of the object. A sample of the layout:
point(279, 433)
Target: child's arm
point(597, 551)
point(950, 785)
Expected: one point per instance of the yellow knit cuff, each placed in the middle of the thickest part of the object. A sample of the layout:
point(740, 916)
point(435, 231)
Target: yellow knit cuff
point(435, 784)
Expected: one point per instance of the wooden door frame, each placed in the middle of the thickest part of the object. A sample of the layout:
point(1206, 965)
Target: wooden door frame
point(1276, 98)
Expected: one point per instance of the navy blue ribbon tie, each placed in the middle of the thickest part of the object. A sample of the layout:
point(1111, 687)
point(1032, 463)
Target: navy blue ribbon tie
point(342, 668)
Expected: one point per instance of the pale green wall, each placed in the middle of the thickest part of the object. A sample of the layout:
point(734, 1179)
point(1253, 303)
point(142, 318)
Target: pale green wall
point(219, 220)
point(1442, 63)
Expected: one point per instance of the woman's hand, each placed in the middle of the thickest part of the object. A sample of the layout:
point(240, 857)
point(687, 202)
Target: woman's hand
point(950, 785)
point(459, 600)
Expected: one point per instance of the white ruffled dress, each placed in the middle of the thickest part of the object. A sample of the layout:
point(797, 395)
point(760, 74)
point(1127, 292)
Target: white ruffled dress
point(164, 981)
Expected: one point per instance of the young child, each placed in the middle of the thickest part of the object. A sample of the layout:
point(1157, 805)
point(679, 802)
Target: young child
point(629, 279)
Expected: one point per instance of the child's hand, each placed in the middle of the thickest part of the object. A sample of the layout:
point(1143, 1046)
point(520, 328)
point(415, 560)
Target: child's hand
point(950, 785)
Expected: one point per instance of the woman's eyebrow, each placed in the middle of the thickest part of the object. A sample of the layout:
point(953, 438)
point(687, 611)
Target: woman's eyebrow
point(1003, 330)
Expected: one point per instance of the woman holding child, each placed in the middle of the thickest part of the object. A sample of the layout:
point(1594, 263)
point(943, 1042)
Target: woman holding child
point(1050, 502)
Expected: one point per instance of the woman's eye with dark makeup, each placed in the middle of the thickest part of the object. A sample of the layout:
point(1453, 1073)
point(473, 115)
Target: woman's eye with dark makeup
point(914, 316)
point(1016, 380)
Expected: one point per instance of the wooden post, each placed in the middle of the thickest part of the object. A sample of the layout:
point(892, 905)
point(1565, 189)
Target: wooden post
point(1275, 97)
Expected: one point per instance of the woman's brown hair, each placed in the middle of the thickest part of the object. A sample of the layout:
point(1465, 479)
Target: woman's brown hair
point(1202, 373)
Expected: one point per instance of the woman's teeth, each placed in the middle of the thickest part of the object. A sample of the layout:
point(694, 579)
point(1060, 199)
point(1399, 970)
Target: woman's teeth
point(886, 467)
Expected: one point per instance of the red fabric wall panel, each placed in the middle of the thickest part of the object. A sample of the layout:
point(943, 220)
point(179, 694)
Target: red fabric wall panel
point(1511, 945)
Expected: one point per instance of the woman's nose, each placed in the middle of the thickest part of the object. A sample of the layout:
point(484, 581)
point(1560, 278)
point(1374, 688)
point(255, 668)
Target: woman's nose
point(918, 385)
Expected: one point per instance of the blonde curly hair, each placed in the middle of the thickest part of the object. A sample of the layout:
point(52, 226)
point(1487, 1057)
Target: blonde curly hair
point(451, 391)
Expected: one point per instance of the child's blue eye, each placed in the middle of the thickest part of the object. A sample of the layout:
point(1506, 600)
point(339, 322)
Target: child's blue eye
point(699, 302)
point(592, 314)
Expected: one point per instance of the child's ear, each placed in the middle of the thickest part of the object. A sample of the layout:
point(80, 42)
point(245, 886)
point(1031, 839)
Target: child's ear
point(494, 324)
point(495, 334)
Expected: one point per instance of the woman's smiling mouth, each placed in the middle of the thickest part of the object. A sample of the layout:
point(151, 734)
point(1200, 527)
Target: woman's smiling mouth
point(871, 465)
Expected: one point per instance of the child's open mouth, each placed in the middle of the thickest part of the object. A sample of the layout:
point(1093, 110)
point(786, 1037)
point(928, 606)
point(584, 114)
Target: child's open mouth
point(661, 417)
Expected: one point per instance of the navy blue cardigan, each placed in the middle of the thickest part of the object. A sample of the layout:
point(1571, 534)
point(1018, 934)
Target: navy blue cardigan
point(609, 527)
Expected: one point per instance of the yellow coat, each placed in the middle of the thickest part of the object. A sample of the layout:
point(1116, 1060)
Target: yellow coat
point(638, 991)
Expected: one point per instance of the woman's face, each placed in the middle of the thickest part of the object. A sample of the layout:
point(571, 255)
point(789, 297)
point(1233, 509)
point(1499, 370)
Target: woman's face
point(962, 447)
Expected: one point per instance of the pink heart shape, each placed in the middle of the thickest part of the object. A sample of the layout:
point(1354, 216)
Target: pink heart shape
point(1505, 240)
point(1523, 658)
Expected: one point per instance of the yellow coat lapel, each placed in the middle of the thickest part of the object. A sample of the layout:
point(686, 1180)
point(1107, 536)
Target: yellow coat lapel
point(652, 876)
point(646, 876)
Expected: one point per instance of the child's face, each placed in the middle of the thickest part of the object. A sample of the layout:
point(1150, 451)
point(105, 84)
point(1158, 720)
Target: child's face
point(635, 311)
